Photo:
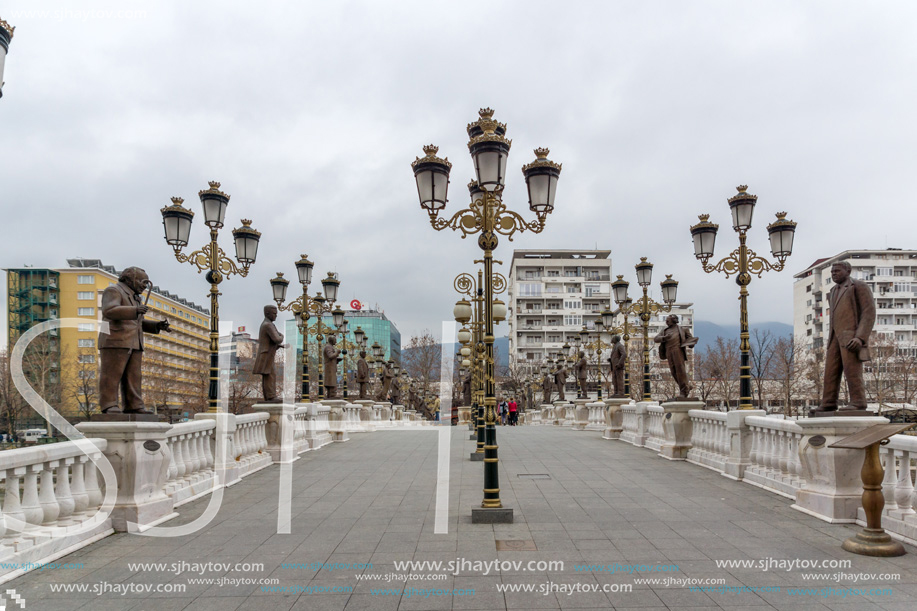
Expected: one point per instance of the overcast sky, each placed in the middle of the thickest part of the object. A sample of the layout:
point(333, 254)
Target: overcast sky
point(310, 113)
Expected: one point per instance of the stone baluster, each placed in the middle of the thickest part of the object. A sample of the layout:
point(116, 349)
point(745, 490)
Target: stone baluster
point(78, 486)
point(63, 494)
point(904, 491)
point(890, 481)
point(783, 454)
point(91, 477)
point(12, 508)
point(179, 458)
point(49, 506)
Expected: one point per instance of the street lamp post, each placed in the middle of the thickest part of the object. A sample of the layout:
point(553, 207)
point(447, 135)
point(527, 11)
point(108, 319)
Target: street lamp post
point(473, 316)
point(597, 347)
point(645, 308)
point(744, 262)
point(176, 221)
point(303, 308)
point(6, 36)
point(488, 216)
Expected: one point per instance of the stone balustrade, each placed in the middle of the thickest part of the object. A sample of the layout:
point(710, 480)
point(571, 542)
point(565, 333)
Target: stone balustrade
point(311, 430)
point(250, 442)
point(191, 472)
point(655, 435)
point(899, 516)
point(52, 495)
point(709, 439)
point(774, 455)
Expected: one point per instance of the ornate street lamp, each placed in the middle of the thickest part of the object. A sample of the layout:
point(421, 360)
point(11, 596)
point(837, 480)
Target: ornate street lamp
point(6, 36)
point(176, 222)
point(488, 216)
point(744, 262)
point(645, 308)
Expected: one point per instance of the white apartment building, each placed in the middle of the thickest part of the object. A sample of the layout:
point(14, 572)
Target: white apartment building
point(553, 293)
point(892, 276)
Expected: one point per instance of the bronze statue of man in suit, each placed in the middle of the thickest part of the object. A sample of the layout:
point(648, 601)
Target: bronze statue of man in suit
point(581, 371)
point(852, 316)
point(560, 379)
point(547, 387)
point(362, 374)
point(269, 339)
point(388, 372)
point(396, 392)
point(673, 344)
point(466, 390)
point(330, 358)
point(121, 349)
point(618, 361)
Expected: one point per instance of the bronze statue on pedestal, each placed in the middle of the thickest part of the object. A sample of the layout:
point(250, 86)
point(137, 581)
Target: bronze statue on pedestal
point(331, 356)
point(362, 374)
point(269, 339)
point(121, 349)
point(617, 361)
point(673, 344)
point(581, 372)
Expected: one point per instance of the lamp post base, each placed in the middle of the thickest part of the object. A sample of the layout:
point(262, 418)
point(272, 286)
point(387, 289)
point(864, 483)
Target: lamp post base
point(874, 542)
point(500, 515)
point(477, 456)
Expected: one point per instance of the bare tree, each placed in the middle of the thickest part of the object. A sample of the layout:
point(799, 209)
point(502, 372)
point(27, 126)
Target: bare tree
point(81, 389)
point(421, 358)
point(762, 357)
point(790, 367)
point(12, 405)
point(723, 366)
point(703, 378)
point(880, 371)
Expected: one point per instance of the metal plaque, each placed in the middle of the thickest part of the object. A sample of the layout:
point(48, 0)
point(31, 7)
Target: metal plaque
point(817, 441)
point(151, 445)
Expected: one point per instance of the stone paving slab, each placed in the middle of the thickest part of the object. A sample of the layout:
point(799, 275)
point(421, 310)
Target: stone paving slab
point(370, 504)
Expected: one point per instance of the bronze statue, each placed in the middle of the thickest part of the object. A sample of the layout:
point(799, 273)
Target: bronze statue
point(581, 371)
point(412, 397)
point(331, 356)
point(388, 372)
point(853, 314)
point(618, 361)
point(396, 392)
point(673, 344)
point(121, 349)
point(362, 374)
point(466, 390)
point(269, 339)
point(560, 379)
point(547, 387)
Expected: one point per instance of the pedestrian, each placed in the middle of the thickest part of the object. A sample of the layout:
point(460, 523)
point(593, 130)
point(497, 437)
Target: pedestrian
point(513, 413)
point(503, 410)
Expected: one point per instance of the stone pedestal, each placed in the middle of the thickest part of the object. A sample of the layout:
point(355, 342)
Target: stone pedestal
point(560, 412)
point(613, 417)
point(140, 456)
point(580, 414)
point(336, 420)
point(833, 488)
point(739, 442)
point(676, 424)
point(279, 430)
point(367, 414)
point(384, 414)
point(502, 515)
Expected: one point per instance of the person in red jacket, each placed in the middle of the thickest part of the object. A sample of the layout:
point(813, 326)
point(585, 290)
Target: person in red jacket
point(513, 414)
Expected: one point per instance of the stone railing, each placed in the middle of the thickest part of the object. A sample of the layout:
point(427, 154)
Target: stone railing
point(51, 501)
point(249, 443)
point(596, 417)
point(774, 455)
point(655, 436)
point(311, 427)
point(709, 439)
point(191, 471)
point(899, 516)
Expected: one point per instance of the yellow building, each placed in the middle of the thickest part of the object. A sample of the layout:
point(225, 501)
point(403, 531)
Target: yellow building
point(175, 365)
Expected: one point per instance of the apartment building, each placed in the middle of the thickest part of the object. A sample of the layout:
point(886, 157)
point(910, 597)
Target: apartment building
point(892, 276)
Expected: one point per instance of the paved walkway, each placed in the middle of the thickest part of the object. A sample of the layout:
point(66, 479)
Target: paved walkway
point(372, 500)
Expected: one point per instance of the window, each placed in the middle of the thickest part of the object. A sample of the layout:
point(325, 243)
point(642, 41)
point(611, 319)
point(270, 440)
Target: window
point(86, 343)
point(85, 295)
point(573, 319)
point(158, 304)
point(86, 311)
point(86, 326)
point(883, 271)
point(573, 289)
point(85, 280)
point(85, 374)
point(572, 305)
point(553, 273)
point(529, 289)
point(808, 331)
point(87, 358)
point(592, 289)
point(809, 288)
